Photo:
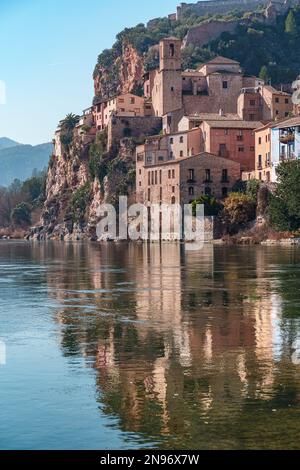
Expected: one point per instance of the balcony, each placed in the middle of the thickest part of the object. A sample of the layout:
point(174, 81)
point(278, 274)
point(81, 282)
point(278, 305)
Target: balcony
point(191, 181)
point(287, 138)
point(208, 181)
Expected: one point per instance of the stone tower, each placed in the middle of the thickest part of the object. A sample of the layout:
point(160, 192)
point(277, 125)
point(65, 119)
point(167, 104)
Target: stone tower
point(170, 74)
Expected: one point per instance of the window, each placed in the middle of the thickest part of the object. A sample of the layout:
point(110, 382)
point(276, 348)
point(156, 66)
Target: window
point(160, 176)
point(277, 112)
point(224, 175)
point(171, 140)
point(252, 117)
point(160, 158)
point(172, 50)
point(173, 189)
point(160, 193)
point(132, 100)
point(286, 114)
point(207, 176)
point(252, 102)
point(286, 101)
point(276, 100)
point(222, 150)
point(241, 149)
point(173, 174)
point(149, 178)
point(239, 138)
point(156, 177)
point(181, 153)
point(207, 191)
point(152, 177)
point(225, 85)
point(173, 200)
point(259, 161)
point(191, 191)
point(169, 174)
point(181, 139)
point(149, 194)
point(140, 172)
point(172, 88)
point(192, 175)
point(259, 141)
point(121, 100)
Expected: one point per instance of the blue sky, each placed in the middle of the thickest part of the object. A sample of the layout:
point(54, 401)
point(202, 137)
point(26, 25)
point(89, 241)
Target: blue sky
point(48, 52)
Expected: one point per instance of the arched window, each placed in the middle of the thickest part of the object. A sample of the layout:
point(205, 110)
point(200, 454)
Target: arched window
point(173, 200)
point(172, 50)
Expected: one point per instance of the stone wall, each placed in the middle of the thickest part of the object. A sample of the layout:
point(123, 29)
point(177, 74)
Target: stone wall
point(219, 6)
point(206, 32)
point(136, 127)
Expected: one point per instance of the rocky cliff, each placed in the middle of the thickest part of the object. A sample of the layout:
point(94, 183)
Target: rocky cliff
point(121, 75)
point(79, 179)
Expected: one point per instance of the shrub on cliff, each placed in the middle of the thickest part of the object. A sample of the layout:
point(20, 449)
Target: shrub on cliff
point(79, 202)
point(284, 206)
point(239, 210)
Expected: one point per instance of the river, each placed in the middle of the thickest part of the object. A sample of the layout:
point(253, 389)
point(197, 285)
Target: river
point(134, 346)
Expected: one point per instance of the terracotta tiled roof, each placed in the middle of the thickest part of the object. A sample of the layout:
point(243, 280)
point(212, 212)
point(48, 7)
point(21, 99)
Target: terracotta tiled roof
point(227, 124)
point(219, 60)
point(213, 117)
point(183, 159)
point(291, 122)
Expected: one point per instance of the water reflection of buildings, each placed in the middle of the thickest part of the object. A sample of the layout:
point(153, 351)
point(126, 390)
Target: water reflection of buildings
point(179, 339)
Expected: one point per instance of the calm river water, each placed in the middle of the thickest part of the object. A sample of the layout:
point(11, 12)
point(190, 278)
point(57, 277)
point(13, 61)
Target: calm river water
point(136, 346)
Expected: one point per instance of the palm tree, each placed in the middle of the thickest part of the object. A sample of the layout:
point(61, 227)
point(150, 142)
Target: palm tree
point(69, 122)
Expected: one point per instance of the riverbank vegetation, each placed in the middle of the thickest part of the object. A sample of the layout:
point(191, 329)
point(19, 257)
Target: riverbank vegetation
point(20, 204)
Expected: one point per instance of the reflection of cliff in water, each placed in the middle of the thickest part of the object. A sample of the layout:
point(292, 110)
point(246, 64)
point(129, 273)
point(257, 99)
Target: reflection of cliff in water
point(195, 347)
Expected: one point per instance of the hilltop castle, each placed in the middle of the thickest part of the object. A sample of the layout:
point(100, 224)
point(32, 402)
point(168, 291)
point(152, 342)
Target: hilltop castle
point(226, 6)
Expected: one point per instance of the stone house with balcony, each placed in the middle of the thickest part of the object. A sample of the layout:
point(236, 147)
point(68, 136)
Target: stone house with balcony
point(285, 143)
point(274, 143)
point(184, 180)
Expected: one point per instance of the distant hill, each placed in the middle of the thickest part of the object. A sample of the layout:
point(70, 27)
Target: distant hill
point(19, 161)
point(6, 143)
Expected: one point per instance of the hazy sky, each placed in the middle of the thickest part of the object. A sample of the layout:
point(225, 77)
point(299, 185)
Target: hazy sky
point(48, 52)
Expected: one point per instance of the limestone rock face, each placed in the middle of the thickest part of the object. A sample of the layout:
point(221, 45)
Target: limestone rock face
point(124, 75)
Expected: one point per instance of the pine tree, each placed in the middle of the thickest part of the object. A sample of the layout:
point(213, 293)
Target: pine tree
point(290, 23)
point(263, 74)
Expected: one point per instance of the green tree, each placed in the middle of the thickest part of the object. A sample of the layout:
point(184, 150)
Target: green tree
point(290, 23)
point(21, 215)
point(263, 74)
point(284, 209)
point(211, 206)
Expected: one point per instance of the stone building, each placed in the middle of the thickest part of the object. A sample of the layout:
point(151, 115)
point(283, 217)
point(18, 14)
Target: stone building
point(217, 85)
point(126, 104)
point(184, 180)
point(263, 164)
point(226, 136)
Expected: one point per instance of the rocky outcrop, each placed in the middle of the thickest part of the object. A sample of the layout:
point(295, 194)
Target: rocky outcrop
point(124, 75)
point(73, 195)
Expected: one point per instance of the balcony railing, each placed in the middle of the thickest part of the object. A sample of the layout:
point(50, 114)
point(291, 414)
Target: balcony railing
point(191, 181)
point(225, 180)
point(288, 138)
point(208, 181)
